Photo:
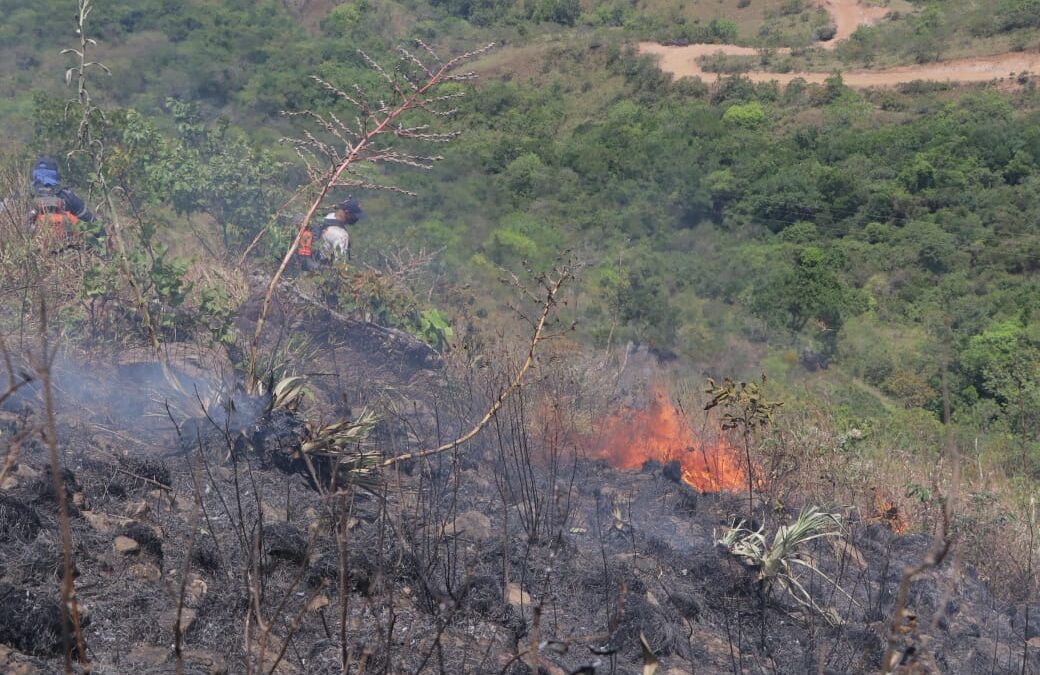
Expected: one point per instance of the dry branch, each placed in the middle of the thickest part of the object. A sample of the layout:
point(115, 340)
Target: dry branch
point(552, 290)
point(69, 607)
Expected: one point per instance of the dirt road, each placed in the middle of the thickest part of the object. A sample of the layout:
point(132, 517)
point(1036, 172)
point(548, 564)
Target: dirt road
point(682, 62)
point(848, 15)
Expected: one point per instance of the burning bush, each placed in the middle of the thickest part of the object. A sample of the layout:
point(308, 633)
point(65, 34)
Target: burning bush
point(660, 432)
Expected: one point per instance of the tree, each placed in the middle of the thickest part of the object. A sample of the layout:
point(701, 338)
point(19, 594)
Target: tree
point(746, 409)
point(810, 290)
point(1003, 361)
point(565, 12)
point(746, 115)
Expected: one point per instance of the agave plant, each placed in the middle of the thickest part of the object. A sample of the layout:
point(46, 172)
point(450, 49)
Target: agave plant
point(338, 446)
point(779, 562)
point(287, 392)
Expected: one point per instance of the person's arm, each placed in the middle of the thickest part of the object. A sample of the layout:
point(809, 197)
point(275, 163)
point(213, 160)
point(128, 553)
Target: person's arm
point(76, 205)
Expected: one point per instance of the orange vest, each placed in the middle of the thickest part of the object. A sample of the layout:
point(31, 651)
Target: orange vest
point(306, 239)
point(61, 222)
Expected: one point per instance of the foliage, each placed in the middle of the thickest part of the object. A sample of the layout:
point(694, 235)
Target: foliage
point(748, 115)
point(745, 406)
point(776, 563)
point(379, 298)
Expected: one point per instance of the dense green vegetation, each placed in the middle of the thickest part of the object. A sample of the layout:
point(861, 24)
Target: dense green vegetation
point(811, 229)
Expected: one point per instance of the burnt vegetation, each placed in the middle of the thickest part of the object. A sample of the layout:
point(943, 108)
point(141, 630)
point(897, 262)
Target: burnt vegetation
point(215, 461)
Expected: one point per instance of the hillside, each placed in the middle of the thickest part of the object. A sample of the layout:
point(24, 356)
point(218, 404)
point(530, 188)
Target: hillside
point(835, 200)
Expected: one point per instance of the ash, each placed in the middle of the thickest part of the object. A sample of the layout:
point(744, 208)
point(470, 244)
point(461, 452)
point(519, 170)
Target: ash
point(514, 554)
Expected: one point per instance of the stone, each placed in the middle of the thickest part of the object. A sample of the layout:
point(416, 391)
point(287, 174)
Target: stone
point(168, 619)
point(146, 571)
point(319, 602)
point(14, 663)
point(471, 525)
point(517, 596)
point(138, 508)
point(195, 590)
point(148, 655)
point(27, 472)
point(105, 523)
point(201, 661)
point(126, 545)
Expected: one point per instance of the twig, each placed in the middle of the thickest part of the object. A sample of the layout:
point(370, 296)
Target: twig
point(943, 540)
point(144, 478)
point(552, 290)
point(69, 607)
point(194, 524)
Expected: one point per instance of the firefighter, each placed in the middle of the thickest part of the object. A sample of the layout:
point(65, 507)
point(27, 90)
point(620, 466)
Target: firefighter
point(333, 240)
point(55, 208)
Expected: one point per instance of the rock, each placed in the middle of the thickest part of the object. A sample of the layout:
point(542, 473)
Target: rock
point(148, 655)
point(195, 590)
point(146, 571)
point(645, 564)
point(472, 525)
point(319, 602)
point(126, 545)
point(26, 472)
point(517, 596)
point(138, 508)
point(148, 538)
point(164, 500)
point(168, 619)
point(195, 587)
point(105, 523)
point(201, 661)
point(13, 663)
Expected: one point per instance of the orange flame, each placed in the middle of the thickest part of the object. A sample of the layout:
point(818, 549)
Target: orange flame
point(887, 512)
point(631, 436)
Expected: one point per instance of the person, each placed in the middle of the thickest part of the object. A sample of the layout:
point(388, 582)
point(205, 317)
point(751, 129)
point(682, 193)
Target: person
point(333, 240)
point(53, 205)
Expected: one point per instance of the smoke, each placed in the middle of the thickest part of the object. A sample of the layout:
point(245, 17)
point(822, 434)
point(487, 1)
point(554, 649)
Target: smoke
point(138, 394)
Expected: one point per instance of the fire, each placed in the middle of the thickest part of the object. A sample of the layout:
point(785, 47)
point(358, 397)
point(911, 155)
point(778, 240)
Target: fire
point(660, 432)
point(887, 512)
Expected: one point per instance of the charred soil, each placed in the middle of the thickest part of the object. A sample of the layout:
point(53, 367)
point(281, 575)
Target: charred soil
point(508, 555)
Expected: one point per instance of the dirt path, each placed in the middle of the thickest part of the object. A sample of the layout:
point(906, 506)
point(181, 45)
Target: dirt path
point(682, 62)
point(848, 15)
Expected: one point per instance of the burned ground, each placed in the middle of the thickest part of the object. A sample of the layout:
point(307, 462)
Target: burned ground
point(468, 561)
